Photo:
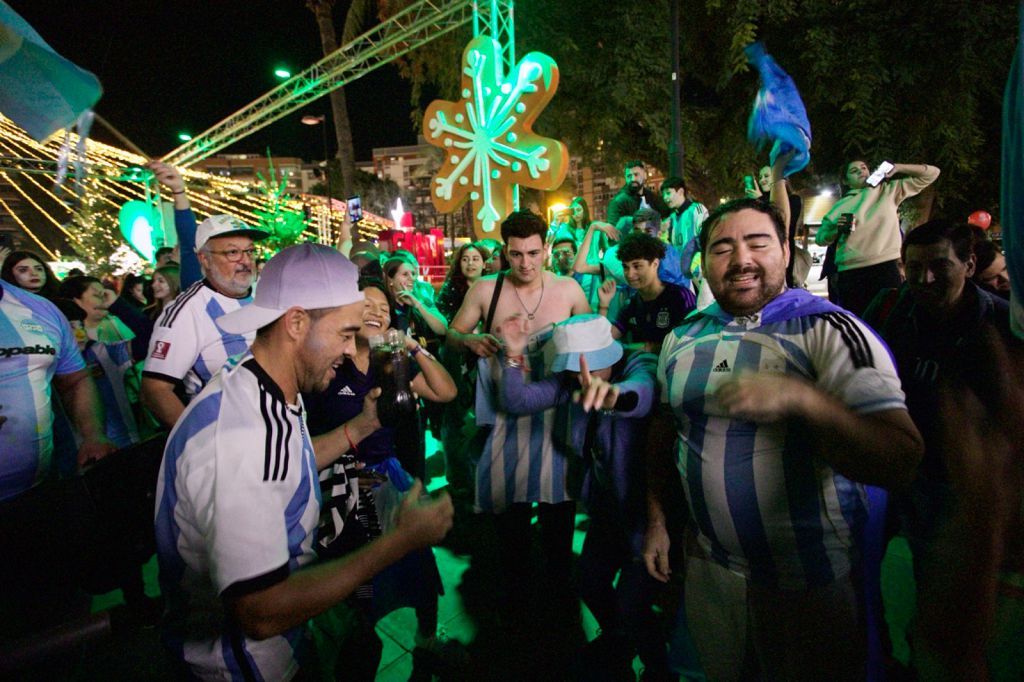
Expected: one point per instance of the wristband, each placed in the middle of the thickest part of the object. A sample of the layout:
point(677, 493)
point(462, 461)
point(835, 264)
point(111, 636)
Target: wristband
point(351, 445)
point(180, 191)
point(514, 361)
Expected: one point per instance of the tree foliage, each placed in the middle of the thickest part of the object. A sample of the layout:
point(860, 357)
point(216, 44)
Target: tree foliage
point(377, 195)
point(907, 80)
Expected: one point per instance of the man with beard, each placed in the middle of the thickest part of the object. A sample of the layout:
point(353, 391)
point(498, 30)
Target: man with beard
point(238, 497)
point(188, 347)
point(784, 406)
point(634, 194)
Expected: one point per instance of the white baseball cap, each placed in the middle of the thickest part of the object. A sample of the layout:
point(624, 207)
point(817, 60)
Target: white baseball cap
point(308, 276)
point(222, 226)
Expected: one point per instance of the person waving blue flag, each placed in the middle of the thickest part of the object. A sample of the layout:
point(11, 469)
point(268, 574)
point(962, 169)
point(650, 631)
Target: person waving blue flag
point(779, 116)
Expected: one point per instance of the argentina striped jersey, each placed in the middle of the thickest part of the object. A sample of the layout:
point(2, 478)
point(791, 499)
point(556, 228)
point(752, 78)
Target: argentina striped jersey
point(520, 461)
point(238, 501)
point(187, 346)
point(36, 343)
point(764, 504)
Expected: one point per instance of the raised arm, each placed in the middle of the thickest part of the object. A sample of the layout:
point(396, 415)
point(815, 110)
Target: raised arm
point(184, 221)
point(431, 315)
point(583, 264)
point(917, 176)
point(433, 383)
point(779, 195)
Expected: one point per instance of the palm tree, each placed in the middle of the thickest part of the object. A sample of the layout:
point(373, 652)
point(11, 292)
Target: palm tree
point(358, 15)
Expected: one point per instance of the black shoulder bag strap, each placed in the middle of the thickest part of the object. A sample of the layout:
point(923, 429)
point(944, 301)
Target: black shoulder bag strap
point(494, 302)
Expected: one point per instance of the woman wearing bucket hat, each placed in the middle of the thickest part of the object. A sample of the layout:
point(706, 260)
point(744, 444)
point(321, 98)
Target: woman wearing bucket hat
point(602, 398)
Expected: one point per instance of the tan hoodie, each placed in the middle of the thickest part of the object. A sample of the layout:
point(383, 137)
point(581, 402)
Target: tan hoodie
point(877, 236)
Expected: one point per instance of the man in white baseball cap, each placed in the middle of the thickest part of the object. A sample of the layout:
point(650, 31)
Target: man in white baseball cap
point(188, 347)
point(237, 499)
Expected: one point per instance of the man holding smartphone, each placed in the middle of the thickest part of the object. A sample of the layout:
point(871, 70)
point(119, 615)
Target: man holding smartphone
point(865, 226)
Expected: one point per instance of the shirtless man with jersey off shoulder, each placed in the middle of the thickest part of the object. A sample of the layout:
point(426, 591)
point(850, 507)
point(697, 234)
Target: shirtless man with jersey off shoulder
point(519, 464)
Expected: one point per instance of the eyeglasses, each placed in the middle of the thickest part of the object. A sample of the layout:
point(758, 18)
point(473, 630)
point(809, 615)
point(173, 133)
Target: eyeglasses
point(235, 255)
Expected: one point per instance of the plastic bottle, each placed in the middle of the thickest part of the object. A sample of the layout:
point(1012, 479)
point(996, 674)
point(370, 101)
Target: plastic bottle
point(389, 360)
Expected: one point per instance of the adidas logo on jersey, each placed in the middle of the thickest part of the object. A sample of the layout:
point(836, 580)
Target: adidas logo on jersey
point(345, 390)
point(723, 366)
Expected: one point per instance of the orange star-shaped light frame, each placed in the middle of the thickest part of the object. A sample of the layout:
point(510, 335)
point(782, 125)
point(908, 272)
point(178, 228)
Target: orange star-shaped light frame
point(488, 137)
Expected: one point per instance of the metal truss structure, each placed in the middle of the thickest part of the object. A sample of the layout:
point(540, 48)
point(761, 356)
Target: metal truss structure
point(499, 23)
point(416, 25)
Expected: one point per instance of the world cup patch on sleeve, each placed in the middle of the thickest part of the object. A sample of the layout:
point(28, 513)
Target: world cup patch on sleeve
point(160, 350)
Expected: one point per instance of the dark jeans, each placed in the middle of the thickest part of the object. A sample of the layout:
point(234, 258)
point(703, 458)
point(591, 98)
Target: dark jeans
point(858, 287)
point(626, 607)
point(556, 523)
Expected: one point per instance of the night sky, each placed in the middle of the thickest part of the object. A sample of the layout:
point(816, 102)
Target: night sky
point(178, 66)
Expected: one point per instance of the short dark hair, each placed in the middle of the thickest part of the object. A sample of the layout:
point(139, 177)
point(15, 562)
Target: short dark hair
point(960, 235)
point(74, 287)
point(985, 253)
point(523, 224)
point(673, 182)
point(647, 216)
point(565, 238)
point(634, 163)
point(161, 251)
point(735, 206)
point(366, 282)
point(640, 246)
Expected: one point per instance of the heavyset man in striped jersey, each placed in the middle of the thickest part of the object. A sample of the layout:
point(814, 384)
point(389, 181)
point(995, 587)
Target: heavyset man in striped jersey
point(784, 407)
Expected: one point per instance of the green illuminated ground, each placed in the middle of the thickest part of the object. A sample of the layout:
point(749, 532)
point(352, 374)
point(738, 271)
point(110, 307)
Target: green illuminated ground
point(463, 613)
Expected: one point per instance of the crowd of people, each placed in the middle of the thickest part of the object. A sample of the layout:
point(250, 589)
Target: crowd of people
point(733, 439)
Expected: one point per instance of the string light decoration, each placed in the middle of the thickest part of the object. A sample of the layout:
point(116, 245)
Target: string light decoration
point(488, 137)
point(84, 211)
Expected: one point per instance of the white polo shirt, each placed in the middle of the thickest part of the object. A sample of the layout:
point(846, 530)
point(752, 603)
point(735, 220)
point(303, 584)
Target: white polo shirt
point(187, 346)
point(238, 501)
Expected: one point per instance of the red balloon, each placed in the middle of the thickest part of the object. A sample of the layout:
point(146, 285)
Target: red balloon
point(982, 219)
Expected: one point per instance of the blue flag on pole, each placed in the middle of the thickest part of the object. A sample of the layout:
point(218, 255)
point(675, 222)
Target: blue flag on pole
point(1012, 189)
point(779, 116)
point(40, 91)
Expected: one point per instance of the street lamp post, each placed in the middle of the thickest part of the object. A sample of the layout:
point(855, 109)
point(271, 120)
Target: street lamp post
point(321, 121)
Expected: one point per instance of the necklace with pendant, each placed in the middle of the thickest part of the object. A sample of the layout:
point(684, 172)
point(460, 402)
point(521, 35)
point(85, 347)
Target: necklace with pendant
point(530, 314)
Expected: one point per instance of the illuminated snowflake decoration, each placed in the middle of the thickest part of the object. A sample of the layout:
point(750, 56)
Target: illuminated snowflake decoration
point(487, 136)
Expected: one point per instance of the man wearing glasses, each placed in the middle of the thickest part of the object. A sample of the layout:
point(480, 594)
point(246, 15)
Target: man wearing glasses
point(188, 347)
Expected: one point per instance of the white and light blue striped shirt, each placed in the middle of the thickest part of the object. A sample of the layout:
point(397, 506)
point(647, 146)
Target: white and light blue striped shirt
point(187, 346)
point(238, 502)
point(764, 504)
point(36, 343)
